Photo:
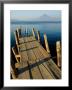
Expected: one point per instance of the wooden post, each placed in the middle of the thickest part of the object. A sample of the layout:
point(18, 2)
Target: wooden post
point(46, 43)
point(38, 35)
point(26, 30)
point(58, 49)
point(18, 32)
point(33, 32)
point(13, 73)
point(17, 55)
point(17, 39)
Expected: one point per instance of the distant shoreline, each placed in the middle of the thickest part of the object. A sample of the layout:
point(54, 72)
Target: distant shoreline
point(32, 22)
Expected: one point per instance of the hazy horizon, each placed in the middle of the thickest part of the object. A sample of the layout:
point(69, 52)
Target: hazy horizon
point(35, 14)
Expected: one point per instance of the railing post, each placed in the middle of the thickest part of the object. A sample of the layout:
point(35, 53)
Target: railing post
point(17, 39)
point(58, 50)
point(38, 35)
point(46, 43)
point(18, 32)
point(33, 32)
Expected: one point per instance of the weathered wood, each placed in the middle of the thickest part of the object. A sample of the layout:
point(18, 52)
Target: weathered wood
point(24, 74)
point(54, 69)
point(42, 55)
point(44, 72)
point(18, 65)
point(35, 60)
point(38, 36)
point(21, 40)
point(33, 32)
point(34, 70)
point(33, 44)
point(17, 56)
point(28, 46)
point(24, 56)
point(18, 32)
point(58, 49)
point(16, 37)
point(46, 43)
point(24, 59)
point(22, 47)
point(45, 65)
point(32, 62)
point(43, 51)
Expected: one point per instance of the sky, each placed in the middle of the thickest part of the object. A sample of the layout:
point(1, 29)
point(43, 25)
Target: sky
point(26, 14)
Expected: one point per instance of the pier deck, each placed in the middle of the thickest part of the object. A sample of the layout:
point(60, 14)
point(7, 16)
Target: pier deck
point(35, 61)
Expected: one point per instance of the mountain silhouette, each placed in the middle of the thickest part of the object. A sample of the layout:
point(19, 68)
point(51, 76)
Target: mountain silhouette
point(47, 18)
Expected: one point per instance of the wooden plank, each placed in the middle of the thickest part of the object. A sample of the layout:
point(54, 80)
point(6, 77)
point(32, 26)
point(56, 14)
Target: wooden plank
point(24, 75)
point(44, 63)
point(39, 55)
point(43, 51)
point(18, 65)
point(53, 67)
point(24, 56)
point(44, 71)
point(24, 59)
point(29, 39)
point(34, 70)
point(22, 47)
point(33, 44)
point(21, 40)
point(27, 45)
point(31, 59)
point(25, 39)
point(33, 38)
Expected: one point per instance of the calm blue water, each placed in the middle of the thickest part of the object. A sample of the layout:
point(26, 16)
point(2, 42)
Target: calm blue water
point(52, 30)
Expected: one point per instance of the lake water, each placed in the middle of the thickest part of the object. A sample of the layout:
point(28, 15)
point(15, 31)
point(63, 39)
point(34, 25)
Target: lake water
point(52, 30)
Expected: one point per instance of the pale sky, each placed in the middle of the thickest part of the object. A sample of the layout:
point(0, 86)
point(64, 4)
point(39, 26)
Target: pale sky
point(26, 14)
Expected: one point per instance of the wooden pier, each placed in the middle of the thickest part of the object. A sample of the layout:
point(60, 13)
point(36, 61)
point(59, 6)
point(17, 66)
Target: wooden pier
point(32, 60)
